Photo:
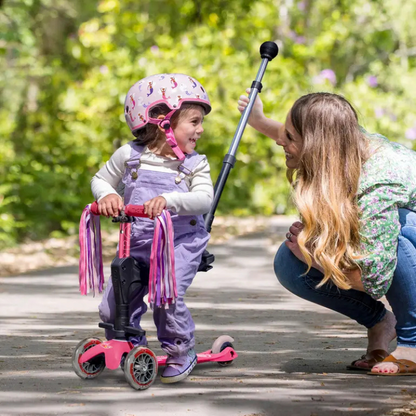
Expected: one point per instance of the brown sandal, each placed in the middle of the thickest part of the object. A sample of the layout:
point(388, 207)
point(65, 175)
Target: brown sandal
point(406, 367)
point(371, 358)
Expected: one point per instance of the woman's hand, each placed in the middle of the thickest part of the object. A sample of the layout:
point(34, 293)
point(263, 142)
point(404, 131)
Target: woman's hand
point(354, 276)
point(292, 240)
point(256, 114)
point(110, 205)
point(154, 206)
point(293, 246)
point(257, 120)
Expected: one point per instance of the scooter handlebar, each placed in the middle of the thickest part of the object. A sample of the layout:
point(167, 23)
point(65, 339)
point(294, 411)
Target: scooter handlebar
point(131, 210)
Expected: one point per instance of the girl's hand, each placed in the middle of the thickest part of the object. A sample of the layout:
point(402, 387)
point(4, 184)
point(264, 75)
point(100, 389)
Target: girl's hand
point(154, 206)
point(110, 205)
point(256, 112)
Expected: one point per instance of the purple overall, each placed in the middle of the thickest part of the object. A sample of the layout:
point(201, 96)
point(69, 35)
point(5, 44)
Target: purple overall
point(175, 326)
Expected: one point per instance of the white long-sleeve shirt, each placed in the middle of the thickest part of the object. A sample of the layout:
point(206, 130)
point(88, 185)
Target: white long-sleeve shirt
point(195, 202)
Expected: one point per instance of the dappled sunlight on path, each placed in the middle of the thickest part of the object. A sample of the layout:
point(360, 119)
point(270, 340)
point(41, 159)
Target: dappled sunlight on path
point(292, 354)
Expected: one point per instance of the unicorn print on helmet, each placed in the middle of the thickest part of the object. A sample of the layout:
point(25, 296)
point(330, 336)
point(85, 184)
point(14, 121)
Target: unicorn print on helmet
point(141, 101)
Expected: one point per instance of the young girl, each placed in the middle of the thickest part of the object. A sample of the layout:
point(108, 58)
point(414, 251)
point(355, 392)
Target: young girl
point(161, 170)
point(356, 195)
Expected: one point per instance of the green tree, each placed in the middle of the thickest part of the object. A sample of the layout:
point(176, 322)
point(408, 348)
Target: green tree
point(66, 67)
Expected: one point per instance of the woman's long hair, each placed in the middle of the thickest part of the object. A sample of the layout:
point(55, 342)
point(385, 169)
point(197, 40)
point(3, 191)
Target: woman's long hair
point(326, 183)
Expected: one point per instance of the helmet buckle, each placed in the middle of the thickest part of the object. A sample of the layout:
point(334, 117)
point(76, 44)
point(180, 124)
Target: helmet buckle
point(165, 124)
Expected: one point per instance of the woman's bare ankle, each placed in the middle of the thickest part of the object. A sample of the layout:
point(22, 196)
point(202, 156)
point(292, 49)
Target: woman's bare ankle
point(381, 334)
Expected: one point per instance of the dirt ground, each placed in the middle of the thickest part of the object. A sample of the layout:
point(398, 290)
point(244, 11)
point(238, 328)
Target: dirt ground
point(292, 354)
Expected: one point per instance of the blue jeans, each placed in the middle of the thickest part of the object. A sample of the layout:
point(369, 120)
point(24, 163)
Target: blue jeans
point(359, 305)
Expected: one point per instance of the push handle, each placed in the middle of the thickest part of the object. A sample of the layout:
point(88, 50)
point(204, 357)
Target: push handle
point(131, 210)
point(268, 51)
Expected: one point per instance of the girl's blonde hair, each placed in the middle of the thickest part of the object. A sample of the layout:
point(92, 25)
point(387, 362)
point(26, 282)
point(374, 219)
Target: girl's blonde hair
point(326, 183)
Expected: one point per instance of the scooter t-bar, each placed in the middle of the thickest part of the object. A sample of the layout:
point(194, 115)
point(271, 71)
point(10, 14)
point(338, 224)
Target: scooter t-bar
point(268, 51)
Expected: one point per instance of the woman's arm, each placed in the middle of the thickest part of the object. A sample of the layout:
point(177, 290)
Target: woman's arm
point(257, 120)
point(354, 279)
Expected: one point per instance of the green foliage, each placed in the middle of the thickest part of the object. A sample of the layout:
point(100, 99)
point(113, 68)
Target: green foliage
point(66, 67)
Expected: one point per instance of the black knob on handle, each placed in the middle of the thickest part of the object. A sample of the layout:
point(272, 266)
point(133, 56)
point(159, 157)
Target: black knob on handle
point(268, 50)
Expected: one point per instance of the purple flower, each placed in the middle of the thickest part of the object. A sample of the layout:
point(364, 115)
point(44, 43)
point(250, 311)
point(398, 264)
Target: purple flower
point(411, 133)
point(392, 117)
point(329, 74)
point(292, 34)
point(154, 49)
point(300, 39)
point(302, 6)
point(296, 38)
point(379, 112)
point(372, 81)
point(325, 74)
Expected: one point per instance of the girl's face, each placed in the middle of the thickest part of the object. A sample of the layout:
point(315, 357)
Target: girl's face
point(292, 142)
point(189, 129)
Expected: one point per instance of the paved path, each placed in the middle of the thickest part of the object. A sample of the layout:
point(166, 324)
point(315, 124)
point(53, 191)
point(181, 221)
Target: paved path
point(292, 354)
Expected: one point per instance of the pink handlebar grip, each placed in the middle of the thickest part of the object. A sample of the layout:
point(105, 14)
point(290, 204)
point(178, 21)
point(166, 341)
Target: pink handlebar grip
point(94, 208)
point(132, 210)
point(135, 211)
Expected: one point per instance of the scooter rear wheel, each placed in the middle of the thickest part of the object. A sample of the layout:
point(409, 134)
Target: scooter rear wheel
point(140, 368)
point(92, 368)
point(219, 345)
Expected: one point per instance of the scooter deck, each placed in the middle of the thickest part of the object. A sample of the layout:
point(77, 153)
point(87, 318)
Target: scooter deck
point(114, 350)
point(228, 354)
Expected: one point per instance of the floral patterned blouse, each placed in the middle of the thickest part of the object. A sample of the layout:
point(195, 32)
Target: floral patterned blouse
point(387, 183)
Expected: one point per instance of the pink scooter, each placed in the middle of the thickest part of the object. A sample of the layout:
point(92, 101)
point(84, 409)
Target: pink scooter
point(141, 364)
point(91, 355)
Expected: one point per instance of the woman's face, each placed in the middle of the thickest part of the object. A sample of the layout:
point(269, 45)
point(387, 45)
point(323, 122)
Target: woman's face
point(292, 142)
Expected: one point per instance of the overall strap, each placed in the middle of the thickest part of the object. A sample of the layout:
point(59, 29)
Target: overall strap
point(133, 163)
point(136, 151)
point(191, 161)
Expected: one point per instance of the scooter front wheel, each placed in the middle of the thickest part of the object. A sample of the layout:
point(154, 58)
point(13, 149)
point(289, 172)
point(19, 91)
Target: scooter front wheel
point(92, 368)
point(140, 368)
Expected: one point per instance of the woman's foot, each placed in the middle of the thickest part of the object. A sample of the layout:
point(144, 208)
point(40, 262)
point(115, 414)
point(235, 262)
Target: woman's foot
point(400, 353)
point(368, 360)
point(379, 338)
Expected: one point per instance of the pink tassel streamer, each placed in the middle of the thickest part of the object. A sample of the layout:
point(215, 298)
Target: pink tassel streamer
point(91, 275)
point(162, 280)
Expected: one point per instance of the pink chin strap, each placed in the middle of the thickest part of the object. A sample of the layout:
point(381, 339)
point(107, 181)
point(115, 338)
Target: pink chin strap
point(170, 136)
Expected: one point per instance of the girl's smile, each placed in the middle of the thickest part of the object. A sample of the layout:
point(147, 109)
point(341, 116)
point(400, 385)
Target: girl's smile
point(189, 129)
